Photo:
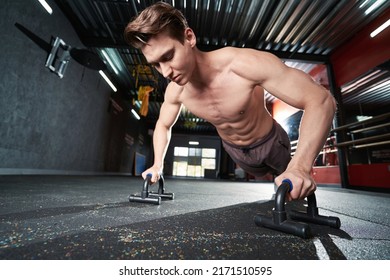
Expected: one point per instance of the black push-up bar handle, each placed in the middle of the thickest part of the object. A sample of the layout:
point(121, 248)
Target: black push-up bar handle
point(161, 189)
point(145, 188)
point(147, 183)
point(279, 216)
point(145, 196)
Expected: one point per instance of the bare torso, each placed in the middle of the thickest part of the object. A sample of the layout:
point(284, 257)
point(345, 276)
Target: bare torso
point(231, 103)
point(225, 87)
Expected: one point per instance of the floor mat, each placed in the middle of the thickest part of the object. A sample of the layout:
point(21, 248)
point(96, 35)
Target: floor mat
point(216, 234)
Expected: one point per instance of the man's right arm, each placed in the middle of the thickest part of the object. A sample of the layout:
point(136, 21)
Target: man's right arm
point(169, 113)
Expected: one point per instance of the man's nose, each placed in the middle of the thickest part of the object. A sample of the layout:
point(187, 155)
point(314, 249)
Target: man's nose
point(166, 70)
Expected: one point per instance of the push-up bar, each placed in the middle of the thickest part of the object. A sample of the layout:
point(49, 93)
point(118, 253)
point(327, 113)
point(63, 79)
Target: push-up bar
point(147, 196)
point(280, 222)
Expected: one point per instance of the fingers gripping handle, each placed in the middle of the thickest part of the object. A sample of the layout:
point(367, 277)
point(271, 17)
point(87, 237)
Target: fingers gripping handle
point(148, 182)
point(150, 175)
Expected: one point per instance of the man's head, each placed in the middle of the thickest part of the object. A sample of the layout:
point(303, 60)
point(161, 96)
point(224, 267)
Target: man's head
point(158, 18)
point(162, 34)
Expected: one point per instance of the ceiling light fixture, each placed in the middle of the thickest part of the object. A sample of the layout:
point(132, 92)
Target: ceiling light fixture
point(363, 4)
point(374, 6)
point(135, 114)
point(380, 29)
point(138, 103)
point(107, 80)
point(46, 6)
point(195, 143)
point(109, 61)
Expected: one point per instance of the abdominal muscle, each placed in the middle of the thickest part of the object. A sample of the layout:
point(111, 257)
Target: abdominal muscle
point(247, 130)
point(240, 119)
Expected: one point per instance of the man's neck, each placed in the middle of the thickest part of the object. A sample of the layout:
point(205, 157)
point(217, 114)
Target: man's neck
point(204, 71)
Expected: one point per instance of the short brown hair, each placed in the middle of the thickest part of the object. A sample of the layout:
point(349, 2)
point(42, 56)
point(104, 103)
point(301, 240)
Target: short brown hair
point(155, 19)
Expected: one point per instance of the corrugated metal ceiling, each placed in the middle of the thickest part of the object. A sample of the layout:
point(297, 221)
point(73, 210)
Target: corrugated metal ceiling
point(296, 30)
point(371, 90)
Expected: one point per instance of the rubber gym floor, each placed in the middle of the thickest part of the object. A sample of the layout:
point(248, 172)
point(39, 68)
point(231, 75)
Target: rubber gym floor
point(90, 217)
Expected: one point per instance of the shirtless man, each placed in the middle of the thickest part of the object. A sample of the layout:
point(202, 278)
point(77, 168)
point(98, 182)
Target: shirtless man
point(226, 88)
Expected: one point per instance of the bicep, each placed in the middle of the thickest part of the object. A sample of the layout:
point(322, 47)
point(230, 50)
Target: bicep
point(290, 85)
point(294, 87)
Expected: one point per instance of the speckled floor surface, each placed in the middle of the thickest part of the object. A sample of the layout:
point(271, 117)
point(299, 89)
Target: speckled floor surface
point(90, 217)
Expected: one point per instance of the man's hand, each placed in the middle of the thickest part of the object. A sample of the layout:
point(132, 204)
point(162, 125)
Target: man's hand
point(303, 183)
point(156, 173)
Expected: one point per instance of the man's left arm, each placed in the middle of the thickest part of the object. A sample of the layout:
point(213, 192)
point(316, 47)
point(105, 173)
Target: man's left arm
point(299, 90)
point(313, 131)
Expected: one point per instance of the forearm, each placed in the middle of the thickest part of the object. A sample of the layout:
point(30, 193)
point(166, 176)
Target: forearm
point(161, 139)
point(314, 129)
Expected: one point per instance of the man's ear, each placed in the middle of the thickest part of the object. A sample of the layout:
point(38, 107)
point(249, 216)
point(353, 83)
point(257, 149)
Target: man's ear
point(190, 37)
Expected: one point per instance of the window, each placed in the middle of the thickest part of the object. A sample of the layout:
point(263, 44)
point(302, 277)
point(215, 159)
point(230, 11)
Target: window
point(191, 162)
point(181, 151)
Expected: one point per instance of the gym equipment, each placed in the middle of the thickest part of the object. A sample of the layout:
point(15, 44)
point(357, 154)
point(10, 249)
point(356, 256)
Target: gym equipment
point(279, 220)
point(147, 196)
point(59, 53)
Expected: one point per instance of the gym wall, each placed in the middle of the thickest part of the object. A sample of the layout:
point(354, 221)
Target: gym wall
point(47, 124)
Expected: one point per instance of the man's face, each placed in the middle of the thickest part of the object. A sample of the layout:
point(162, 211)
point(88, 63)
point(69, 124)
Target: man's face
point(170, 57)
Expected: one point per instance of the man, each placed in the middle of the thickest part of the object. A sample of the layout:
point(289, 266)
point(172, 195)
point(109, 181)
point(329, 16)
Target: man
point(226, 88)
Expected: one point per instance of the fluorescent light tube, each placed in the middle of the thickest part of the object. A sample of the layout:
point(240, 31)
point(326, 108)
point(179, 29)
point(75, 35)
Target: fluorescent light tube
point(109, 61)
point(374, 6)
point(107, 80)
point(46, 6)
point(135, 114)
point(380, 29)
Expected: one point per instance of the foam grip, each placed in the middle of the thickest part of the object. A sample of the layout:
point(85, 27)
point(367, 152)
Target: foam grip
point(289, 183)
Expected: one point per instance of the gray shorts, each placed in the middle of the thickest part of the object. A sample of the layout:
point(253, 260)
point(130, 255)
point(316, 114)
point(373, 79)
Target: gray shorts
point(271, 154)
